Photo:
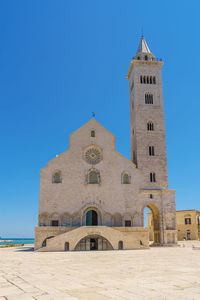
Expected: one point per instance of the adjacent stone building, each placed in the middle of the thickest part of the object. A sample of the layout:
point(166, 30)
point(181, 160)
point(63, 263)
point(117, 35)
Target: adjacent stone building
point(92, 197)
point(187, 222)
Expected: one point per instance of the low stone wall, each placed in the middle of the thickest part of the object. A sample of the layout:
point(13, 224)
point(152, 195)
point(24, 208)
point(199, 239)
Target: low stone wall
point(43, 232)
point(132, 237)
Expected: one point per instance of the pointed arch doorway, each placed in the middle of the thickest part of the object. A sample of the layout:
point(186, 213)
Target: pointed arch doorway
point(91, 218)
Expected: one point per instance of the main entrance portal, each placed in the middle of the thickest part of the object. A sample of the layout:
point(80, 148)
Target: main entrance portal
point(91, 218)
point(93, 243)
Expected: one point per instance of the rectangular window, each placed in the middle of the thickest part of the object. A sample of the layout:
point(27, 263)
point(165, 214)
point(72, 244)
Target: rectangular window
point(54, 223)
point(92, 133)
point(148, 79)
point(127, 223)
point(188, 235)
point(148, 99)
point(187, 221)
point(151, 150)
point(152, 177)
point(150, 126)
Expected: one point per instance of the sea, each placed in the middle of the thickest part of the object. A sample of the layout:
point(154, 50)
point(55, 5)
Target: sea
point(11, 241)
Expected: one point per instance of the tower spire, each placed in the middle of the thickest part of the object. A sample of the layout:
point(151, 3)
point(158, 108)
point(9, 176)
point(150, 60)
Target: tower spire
point(143, 47)
point(143, 51)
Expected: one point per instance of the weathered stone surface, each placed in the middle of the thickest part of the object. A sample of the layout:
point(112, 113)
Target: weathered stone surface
point(93, 149)
point(155, 273)
point(186, 230)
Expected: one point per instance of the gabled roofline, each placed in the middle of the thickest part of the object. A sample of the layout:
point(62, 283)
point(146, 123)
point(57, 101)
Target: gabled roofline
point(88, 123)
point(50, 161)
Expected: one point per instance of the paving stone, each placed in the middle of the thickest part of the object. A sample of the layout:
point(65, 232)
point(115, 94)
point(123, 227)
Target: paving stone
point(159, 273)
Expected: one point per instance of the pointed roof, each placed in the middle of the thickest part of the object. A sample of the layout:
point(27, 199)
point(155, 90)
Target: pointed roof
point(143, 48)
point(140, 56)
point(92, 121)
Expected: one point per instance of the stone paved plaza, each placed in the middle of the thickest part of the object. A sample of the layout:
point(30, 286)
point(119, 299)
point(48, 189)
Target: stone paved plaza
point(156, 273)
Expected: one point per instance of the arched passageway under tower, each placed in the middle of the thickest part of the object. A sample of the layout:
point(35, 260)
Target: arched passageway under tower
point(153, 223)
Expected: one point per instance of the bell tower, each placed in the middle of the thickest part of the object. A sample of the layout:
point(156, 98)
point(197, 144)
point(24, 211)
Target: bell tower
point(148, 146)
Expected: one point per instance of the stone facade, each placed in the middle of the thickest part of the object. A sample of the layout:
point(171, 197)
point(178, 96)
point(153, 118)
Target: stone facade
point(187, 222)
point(92, 197)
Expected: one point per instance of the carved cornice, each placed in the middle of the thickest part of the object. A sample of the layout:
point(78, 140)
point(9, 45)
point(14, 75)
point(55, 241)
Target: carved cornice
point(142, 62)
point(156, 191)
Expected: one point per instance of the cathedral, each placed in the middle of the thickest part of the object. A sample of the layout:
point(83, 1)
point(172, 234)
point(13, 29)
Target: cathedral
point(92, 197)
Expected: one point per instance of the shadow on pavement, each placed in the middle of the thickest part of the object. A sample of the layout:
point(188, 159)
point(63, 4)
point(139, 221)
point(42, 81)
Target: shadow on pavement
point(25, 249)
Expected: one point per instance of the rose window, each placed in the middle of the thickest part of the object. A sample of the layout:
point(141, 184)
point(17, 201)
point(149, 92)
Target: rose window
point(93, 155)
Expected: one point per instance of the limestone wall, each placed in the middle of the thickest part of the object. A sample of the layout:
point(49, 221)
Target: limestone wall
point(184, 229)
point(74, 194)
point(131, 237)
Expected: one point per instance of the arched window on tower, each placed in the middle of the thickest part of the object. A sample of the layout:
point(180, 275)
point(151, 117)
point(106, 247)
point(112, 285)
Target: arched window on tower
point(148, 98)
point(152, 177)
point(154, 79)
point(150, 126)
point(141, 79)
point(146, 57)
point(57, 177)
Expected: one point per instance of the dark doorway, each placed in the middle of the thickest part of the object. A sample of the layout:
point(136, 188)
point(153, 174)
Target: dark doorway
point(120, 245)
point(91, 218)
point(54, 223)
point(188, 235)
point(127, 223)
point(66, 246)
point(93, 244)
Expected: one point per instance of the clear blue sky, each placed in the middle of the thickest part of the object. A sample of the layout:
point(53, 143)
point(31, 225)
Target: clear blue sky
point(61, 60)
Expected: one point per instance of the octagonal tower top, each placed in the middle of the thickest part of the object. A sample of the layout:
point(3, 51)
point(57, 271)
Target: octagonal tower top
point(143, 52)
point(143, 57)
